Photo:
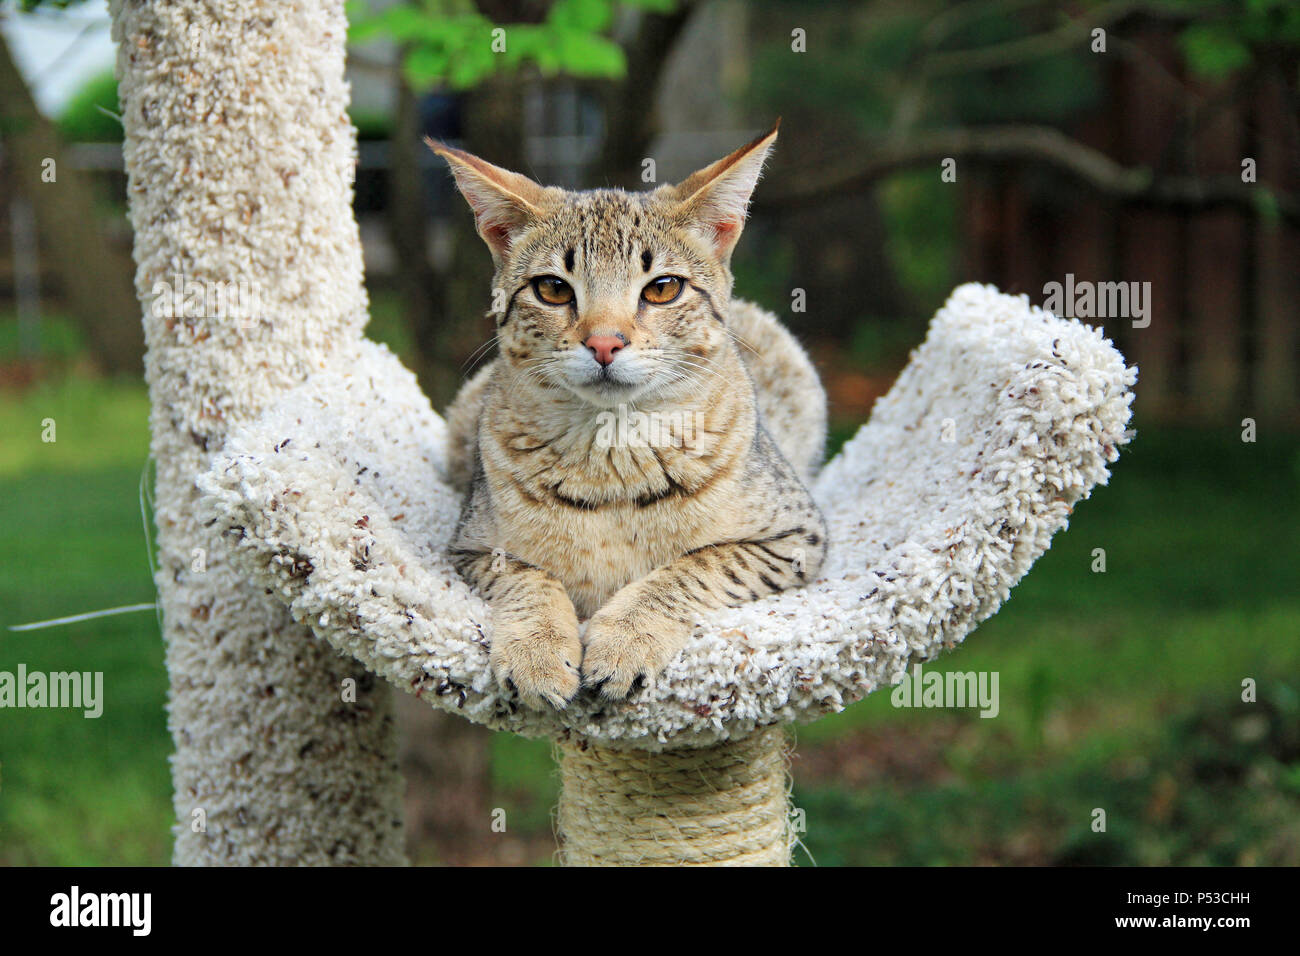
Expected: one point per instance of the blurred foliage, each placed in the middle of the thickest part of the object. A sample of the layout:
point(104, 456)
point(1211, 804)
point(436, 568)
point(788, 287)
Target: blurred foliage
point(763, 266)
point(866, 63)
point(388, 324)
point(91, 115)
point(1232, 34)
point(372, 125)
point(874, 73)
point(868, 55)
point(880, 345)
point(59, 340)
point(1049, 89)
point(449, 42)
point(1214, 786)
point(921, 234)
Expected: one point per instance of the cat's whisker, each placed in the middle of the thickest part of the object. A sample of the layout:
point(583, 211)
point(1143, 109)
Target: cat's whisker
point(740, 340)
point(532, 370)
point(672, 378)
point(705, 366)
point(476, 357)
point(688, 364)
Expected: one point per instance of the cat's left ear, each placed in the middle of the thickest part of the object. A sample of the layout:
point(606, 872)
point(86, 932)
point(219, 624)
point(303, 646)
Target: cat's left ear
point(714, 200)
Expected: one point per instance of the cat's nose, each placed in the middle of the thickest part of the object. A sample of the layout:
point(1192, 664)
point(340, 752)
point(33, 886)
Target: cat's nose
point(603, 347)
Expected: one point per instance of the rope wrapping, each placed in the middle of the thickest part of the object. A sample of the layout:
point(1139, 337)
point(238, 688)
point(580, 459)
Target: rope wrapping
point(724, 805)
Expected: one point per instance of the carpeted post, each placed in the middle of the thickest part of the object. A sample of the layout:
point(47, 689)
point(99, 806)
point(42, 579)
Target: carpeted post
point(240, 159)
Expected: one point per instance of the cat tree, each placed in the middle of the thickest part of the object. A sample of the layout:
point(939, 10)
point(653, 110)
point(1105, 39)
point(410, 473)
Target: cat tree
point(309, 468)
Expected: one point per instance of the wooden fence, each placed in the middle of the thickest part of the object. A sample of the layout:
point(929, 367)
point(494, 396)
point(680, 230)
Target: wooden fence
point(1221, 344)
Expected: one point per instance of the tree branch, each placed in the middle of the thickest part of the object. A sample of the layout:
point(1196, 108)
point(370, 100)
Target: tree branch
point(1037, 46)
point(1035, 144)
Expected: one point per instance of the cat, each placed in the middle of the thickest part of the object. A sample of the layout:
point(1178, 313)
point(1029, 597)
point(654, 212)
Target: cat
point(619, 466)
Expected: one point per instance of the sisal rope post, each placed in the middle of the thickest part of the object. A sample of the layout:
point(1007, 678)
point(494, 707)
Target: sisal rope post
point(724, 805)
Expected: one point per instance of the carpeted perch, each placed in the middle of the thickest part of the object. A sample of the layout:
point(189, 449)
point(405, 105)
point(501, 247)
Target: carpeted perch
point(1004, 418)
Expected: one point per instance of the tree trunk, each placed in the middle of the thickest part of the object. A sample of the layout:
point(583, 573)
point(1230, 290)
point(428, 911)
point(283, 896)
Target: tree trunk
point(240, 162)
point(407, 221)
point(494, 130)
point(631, 114)
point(92, 272)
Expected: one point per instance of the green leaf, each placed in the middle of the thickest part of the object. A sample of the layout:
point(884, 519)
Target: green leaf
point(1257, 7)
point(400, 23)
point(473, 63)
point(1291, 778)
point(652, 6)
point(591, 56)
point(426, 66)
point(1266, 205)
point(1213, 50)
point(581, 16)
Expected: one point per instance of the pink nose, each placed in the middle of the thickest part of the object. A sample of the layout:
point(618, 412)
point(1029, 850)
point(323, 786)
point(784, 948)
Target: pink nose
point(603, 347)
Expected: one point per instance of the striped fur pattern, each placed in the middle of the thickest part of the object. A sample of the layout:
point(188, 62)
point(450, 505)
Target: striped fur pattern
point(633, 494)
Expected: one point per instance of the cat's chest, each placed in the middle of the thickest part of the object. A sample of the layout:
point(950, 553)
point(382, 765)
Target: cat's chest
point(600, 523)
point(596, 553)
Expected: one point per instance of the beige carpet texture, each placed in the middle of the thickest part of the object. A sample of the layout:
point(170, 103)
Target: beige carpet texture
point(1004, 418)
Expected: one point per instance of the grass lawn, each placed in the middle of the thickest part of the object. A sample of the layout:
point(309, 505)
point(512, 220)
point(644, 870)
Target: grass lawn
point(78, 790)
point(1119, 691)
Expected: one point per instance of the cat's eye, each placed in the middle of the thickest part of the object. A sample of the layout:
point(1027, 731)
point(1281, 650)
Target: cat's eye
point(663, 290)
point(553, 290)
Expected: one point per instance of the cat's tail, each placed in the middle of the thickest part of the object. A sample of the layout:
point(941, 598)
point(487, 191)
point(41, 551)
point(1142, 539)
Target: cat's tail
point(791, 400)
point(462, 428)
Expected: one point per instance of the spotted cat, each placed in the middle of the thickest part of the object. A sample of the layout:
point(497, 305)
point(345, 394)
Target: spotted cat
point(619, 466)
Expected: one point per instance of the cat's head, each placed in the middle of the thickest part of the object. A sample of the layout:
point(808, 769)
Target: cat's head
point(613, 296)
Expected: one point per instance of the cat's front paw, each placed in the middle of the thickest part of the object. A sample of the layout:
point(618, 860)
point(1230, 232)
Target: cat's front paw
point(539, 658)
point(624, 645)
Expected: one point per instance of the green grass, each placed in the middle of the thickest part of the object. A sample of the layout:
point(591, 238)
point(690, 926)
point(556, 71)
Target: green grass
point(1201, 565)
point(80, 790)
point(95, 425)
point(1099, 670)
point(57, 338)
point(1218, 784)
point(1118, 690)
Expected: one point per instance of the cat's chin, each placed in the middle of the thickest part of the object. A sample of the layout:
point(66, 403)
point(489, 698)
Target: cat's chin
point(608, 394)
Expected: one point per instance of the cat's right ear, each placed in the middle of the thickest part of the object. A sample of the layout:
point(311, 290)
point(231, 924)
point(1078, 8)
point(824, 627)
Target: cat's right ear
point(503, 202)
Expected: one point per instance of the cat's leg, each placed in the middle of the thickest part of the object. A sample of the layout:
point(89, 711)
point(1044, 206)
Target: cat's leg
point(645, 624)
point(535, 646)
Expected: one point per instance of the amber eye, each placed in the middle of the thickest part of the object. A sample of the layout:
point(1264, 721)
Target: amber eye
point(663, 290)
point(553, 290)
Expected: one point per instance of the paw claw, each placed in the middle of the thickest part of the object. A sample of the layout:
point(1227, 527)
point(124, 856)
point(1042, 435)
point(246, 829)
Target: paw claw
point(623, 655)
point(534, 659)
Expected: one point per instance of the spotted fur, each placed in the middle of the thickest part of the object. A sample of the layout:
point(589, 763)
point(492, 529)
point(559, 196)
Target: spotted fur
point(570, 516)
